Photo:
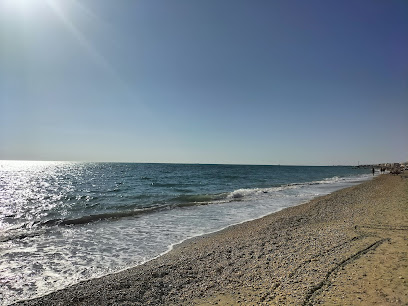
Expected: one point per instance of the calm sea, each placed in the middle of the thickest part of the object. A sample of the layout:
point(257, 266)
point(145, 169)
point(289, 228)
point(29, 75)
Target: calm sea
point(63, 222)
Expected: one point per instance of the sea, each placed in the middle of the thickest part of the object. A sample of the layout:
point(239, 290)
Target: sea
point(64, 222)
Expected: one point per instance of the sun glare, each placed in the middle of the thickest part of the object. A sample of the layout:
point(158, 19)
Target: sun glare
point(21, 6)
point(27, 11)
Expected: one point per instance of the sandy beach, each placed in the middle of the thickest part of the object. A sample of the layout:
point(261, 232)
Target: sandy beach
point(346, 248)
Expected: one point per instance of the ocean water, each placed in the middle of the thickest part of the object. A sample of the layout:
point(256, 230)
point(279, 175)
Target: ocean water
point(63, 222)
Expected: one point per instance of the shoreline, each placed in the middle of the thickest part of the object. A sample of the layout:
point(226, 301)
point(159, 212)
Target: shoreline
point(289, 256)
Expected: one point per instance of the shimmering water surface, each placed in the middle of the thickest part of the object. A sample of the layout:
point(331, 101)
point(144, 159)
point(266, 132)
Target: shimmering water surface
point(63, 222)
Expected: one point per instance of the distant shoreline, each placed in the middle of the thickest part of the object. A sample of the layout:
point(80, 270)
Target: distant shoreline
point(292, 256)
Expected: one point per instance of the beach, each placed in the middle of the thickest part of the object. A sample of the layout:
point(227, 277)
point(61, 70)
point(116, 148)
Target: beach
point(346, 248)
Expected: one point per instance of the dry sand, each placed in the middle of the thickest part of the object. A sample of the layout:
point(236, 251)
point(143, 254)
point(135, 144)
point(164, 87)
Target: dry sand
point(346, 248)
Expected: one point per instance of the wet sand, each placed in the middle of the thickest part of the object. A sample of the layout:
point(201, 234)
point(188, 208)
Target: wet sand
point(346, 248)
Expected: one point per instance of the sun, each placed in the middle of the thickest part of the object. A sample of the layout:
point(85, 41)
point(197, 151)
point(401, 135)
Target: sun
point(18, 5)
point(22, 7)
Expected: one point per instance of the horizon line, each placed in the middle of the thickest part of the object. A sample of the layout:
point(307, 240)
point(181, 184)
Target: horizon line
point(192, 163)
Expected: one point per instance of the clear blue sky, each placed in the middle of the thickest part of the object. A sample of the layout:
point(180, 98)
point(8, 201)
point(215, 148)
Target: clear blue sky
point(210, 81)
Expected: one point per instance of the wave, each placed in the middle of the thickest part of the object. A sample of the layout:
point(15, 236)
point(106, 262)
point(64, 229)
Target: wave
point(243, 193)
point(329, 180)
point(98, 217)
point(199, 198)
point(190, 200)
point(20, 235)
point(181, 201)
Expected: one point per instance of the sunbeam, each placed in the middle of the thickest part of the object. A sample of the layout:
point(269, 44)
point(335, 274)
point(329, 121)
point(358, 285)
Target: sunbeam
point(81, 38)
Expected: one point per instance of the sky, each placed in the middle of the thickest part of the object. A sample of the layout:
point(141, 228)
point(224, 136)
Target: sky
point(217, 81)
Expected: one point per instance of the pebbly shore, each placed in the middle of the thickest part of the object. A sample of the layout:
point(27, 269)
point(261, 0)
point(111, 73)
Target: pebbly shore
point(346, 248)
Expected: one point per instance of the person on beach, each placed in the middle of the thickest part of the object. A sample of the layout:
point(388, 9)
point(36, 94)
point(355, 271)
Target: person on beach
point(373, 171)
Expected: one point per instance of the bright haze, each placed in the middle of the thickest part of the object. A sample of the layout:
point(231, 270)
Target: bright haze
point(215, 81)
